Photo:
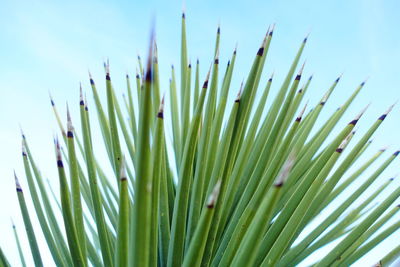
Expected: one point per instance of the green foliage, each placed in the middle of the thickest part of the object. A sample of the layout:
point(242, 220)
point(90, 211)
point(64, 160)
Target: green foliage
point(237, 186)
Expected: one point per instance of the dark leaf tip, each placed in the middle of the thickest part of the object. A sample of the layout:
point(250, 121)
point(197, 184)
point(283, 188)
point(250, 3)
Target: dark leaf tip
point(353, 122)
point(149, 75)
point(60, 164)
point(17, 184)
point(212, 199)
point(381, 118)
point(339, 150)
point(260, 51)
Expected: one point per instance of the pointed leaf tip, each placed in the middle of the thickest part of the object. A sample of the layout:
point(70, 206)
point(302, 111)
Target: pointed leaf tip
point(205, 84)
point(17, 184)
point(239, 95)
point(285, 171)
point(22, 132)
point(160, 113)
point(307, 36)
point(354, 122)
point(51, 99)
point(271, 32)
point(298, 76)
point(122, 172)
point(345, 142)
point(299, 117)
point(338, 78)
point(81, 101)
point(260, 51)
point(391, 107)
point(363, 83)
point(383, 116)
point(216, 59)
point(23, 147)
point(149, 74)
point(70, 128)
point(212, 199)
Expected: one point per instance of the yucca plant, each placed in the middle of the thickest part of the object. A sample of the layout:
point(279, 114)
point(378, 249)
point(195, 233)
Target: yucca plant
point(235, 184)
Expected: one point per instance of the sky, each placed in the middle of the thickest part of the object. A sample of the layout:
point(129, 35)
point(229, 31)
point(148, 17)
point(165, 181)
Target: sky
point(48, 46)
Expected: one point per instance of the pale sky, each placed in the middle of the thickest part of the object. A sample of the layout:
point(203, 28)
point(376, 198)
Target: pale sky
point(50, 45)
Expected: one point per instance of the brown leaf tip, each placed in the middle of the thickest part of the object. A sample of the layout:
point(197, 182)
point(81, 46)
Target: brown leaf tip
point(345, 142)
point(338, 78)
point(271, 32)
point(122, 171)
point(81, 101)
point(23, 149)
point(160, 113)
point(354, 122)
point(299, 117)
point(58, 153)
point(205, 85)
point(17, 184)
point(285, 171)
point(70, 128)
point(239, 95)
point(212, 199)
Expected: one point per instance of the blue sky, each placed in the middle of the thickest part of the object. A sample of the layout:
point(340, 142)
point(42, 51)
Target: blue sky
point(49, 46)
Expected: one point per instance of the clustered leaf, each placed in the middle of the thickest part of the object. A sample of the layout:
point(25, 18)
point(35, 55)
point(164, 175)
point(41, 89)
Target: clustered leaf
point(220, 183)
